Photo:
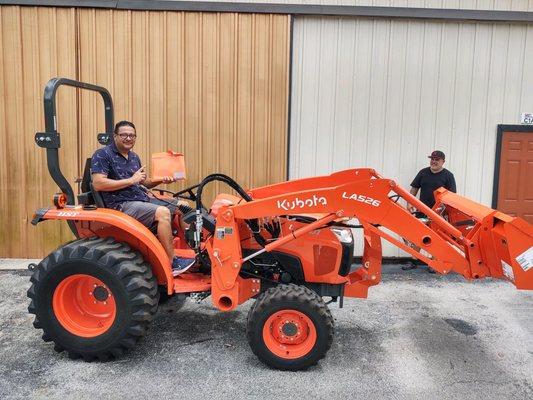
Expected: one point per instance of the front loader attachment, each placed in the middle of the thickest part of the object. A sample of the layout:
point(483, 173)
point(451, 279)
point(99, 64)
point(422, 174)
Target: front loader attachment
point(498, 245)
point(458, 235)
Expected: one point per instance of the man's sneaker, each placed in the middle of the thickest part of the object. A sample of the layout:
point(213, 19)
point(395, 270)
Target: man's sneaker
point(180, 265)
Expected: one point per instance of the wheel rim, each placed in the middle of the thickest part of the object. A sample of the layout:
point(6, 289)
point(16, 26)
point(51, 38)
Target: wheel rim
point(84, 305)
point(289, 334)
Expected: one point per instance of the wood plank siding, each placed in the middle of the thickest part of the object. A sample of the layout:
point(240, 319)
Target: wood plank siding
point(212, 85)
point(37, 44)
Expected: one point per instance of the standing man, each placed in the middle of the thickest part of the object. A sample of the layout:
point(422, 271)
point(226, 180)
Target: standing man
point(427, 181)
point(117, 172)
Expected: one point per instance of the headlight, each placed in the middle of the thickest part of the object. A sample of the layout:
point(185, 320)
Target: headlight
point(344, 235)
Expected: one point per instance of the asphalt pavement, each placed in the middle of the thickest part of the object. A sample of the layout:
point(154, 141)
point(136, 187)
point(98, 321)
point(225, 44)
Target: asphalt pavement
point(417, 336)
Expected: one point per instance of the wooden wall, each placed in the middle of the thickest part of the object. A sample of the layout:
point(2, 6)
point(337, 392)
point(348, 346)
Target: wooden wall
point(214, 86)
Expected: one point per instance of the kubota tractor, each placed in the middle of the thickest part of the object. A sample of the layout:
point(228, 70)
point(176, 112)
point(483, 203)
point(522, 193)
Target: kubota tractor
point(286, 245)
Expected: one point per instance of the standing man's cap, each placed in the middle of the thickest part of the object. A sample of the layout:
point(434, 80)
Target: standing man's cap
point(437, 154)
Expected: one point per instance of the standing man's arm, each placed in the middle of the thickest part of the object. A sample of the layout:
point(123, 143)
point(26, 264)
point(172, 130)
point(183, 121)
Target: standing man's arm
point(414, 192)
point(415, 187)
point(451, 184)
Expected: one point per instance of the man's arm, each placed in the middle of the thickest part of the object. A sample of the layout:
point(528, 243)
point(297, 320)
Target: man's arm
point(415, 187)
point(151, 183)
point(451, 183)
point(414, 192)
point(102, 183)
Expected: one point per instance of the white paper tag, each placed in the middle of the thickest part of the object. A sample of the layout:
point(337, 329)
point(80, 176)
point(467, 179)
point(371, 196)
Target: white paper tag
point(526, 259)
point(178, 175)
point(508, 270)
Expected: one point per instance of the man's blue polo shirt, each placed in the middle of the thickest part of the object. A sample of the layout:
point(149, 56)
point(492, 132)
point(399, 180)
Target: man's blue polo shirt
point(108, 161)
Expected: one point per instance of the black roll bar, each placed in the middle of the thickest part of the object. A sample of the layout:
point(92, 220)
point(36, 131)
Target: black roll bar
point(50, 139)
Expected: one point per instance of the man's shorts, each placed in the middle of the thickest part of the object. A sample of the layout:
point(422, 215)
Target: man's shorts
point(144, 211)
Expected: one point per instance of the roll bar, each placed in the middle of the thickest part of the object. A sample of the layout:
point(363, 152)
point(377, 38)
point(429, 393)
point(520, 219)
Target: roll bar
point(50, 139)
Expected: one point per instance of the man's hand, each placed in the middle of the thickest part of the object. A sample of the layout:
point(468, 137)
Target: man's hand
point(168, 179)
point(411, 208)
point(151, 183)
point(138, 177)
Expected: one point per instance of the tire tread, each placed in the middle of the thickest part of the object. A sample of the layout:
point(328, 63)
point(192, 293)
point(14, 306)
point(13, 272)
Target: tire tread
point(293, 294)
point(128, 266)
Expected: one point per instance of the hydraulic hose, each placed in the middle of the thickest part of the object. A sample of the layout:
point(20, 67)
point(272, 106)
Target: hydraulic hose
point(252, 224)
point(222, 178)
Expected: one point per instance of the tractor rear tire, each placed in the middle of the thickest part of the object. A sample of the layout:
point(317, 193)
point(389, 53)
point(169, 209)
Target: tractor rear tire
point(290, 327)
point(93, 298)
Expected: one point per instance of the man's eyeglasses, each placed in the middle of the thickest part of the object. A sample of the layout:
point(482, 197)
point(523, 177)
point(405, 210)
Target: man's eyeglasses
point(125, 136)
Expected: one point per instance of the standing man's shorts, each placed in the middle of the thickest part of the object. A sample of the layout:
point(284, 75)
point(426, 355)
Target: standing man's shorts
point(144, 211)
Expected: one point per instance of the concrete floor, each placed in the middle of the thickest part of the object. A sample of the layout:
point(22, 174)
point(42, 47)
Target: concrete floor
point(418, 336)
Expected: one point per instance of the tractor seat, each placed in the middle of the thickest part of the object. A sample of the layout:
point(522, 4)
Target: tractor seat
point(89, 196)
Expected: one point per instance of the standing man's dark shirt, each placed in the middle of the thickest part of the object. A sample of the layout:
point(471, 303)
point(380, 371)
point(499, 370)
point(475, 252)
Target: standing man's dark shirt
point(428, 182)
point(109, 162)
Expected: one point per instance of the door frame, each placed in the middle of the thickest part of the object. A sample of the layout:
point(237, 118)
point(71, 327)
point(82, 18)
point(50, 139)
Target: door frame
point(501, 129)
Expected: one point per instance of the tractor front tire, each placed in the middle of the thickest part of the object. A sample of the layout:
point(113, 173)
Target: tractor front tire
point(93, 298)
point(290, 327)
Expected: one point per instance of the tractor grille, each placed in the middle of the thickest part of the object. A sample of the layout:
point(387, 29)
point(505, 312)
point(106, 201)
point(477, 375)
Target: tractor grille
point(346, 259)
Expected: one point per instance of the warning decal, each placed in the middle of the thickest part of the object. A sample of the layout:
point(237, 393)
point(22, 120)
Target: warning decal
point(526, 259)
point(507, 270)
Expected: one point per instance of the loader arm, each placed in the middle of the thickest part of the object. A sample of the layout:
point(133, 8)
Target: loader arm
point(365, 195)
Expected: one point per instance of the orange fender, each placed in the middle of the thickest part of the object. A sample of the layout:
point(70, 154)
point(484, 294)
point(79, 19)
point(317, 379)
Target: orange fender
point(104, 222)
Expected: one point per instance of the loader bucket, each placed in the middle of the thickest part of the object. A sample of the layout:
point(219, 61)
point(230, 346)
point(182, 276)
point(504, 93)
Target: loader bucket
point(512, 242)
point(495, 243)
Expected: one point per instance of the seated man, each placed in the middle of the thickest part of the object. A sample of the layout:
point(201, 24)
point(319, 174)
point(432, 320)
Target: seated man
point(117, 172)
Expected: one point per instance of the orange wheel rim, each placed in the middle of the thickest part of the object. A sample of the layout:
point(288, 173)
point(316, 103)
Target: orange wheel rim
point(84, 305)
point(289, 334)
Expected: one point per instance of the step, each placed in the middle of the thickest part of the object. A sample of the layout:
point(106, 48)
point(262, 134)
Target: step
point(192, 282)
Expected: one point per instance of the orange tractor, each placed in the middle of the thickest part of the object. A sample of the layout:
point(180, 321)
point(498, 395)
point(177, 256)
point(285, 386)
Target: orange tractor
point(287, 246)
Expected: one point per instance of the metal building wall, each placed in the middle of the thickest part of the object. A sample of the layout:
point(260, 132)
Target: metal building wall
point(214, 86)
point(384, 93)
point(500, 5)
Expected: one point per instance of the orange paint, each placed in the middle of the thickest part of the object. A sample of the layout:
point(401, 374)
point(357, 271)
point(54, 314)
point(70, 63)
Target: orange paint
point(104, 222)
point(462, 236)
point(289, 334)
point(80, 310)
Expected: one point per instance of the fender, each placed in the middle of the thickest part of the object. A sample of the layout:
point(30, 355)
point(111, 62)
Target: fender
point(104, 222)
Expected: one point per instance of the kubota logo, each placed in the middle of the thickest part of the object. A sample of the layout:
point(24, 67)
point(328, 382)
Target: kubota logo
point(299, 203)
